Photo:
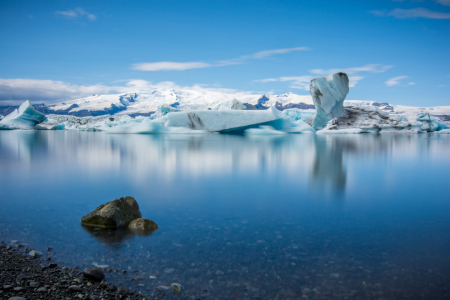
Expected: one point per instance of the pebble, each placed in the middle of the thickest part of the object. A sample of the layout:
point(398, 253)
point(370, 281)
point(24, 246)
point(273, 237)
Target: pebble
point(176, 288)
point(94, 273)
point(51, 282)
point(34, 253)
point(21, 277)
point(74, 288)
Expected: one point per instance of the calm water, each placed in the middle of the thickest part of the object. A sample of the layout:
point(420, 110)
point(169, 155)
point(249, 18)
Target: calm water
point(318, 217)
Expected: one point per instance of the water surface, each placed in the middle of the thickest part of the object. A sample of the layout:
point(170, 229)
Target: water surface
point(318, 217)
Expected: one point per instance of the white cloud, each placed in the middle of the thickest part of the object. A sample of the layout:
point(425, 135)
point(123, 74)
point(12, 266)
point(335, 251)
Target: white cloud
point(412, 83)
point(266, 80)
point(298, 82)
point(76, 13)
point(372, 68)
point(181, 66)
point(354, 80)
point(15, 91)
point(267, 53)
point(303, 82)
point(378, 13)
point(443, 2)
point(395, 80)
point(47, 90)
point(412, 13)
point(170, 66)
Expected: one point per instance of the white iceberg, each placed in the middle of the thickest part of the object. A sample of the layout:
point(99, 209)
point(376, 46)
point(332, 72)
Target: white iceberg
point(430, 123)
point(25, 117)
point(222, 120)
point(264, 130)
point(328, 94)
point(299, 114)
point(443, 131)
point(341, 131)
point(162, 110)
point(230, 104)
point(369, 119)
point(50, 124)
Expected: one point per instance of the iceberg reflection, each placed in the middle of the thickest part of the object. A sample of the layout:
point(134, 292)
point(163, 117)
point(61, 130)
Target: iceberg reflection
point(142, 157)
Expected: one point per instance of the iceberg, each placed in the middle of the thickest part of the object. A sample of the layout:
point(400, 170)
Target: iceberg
point(231, 104)
point(430, 123)
point(25, 117)
point(299, 114)
point(328, 95)
point(443, 131)
point(222, 120)
point(50, 124)
point(264, 130)
point(162, 110)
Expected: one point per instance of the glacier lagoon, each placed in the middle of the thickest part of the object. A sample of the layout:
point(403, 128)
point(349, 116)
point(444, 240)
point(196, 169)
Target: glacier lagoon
point(326, 216)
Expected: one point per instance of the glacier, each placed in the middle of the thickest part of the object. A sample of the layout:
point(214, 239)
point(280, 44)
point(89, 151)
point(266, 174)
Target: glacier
point(25, 117)
point(328, 94)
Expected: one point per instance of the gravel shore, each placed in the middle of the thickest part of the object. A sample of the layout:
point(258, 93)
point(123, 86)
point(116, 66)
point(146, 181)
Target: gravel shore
point(23, 276)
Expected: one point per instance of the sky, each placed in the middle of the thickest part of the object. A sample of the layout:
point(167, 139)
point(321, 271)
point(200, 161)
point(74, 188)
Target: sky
point(393, 51)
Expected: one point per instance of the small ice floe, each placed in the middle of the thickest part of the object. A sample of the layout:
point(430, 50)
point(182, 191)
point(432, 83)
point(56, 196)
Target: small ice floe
point(99, 265)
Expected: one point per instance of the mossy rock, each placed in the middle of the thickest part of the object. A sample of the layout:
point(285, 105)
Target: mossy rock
point(142, 226)
point(117, 213)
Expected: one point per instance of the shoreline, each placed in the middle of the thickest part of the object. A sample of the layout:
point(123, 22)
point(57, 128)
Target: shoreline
point(23, 276)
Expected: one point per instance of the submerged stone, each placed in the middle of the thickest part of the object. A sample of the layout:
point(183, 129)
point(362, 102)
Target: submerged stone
point(117, 213)
point(176, 288)
point(143, 226)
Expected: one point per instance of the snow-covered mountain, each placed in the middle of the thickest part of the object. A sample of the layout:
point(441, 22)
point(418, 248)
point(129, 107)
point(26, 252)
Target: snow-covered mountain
point(146, 103)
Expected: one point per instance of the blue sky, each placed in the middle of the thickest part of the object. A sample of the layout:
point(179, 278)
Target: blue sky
point(393, 51)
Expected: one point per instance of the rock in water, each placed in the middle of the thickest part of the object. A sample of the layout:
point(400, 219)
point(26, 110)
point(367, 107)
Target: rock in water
point(117, 213)
point(94, 273)
point(328, 94)
point(176, 288)
point(34, 253)
point(143, 226)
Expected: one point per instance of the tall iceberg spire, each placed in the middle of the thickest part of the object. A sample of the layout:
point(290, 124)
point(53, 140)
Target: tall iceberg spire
point(328, 94)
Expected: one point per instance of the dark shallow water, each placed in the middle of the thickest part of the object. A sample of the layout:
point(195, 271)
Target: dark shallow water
point(318, 217)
